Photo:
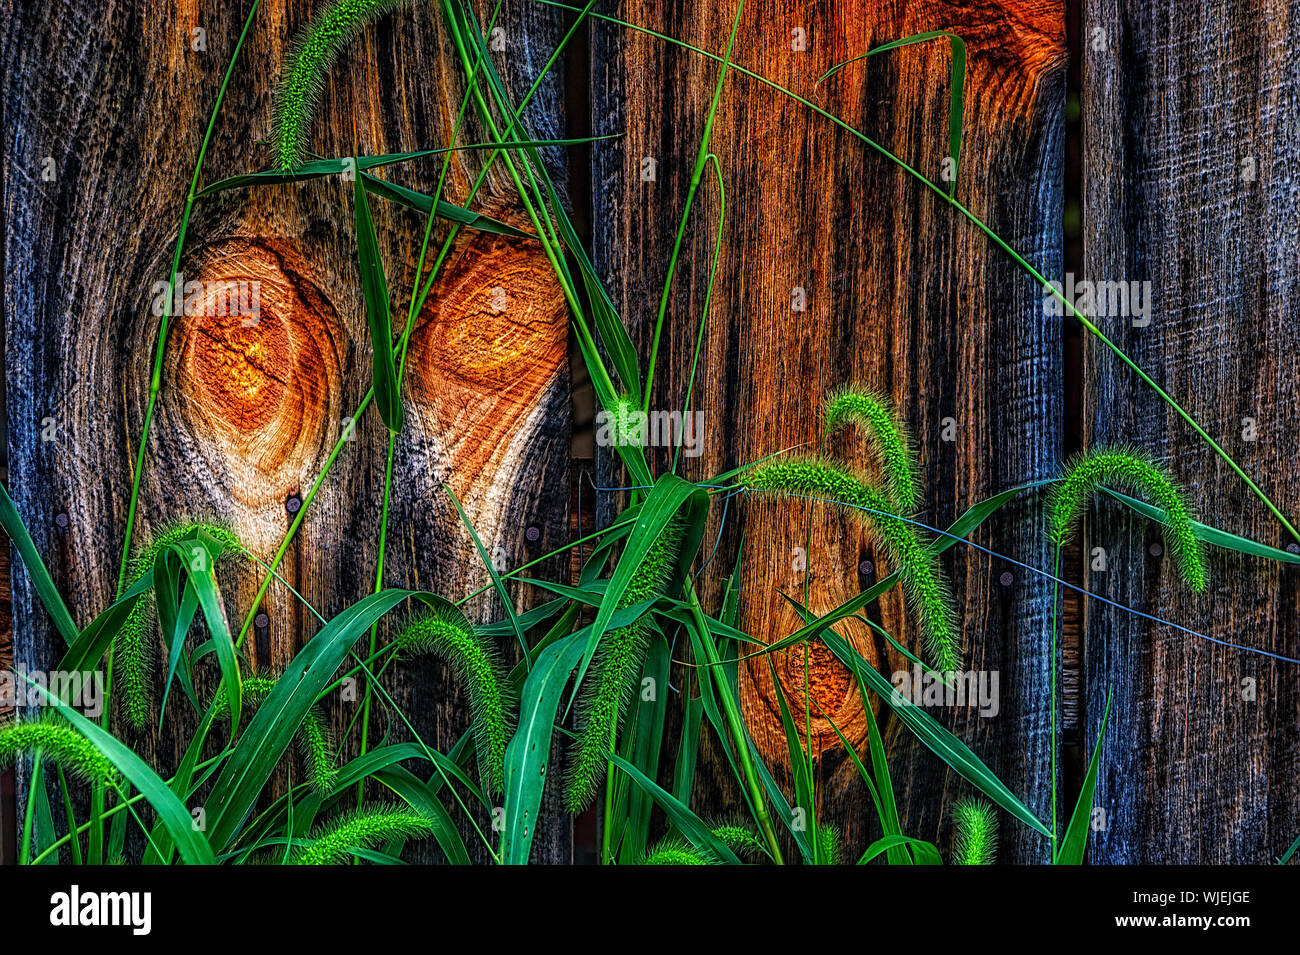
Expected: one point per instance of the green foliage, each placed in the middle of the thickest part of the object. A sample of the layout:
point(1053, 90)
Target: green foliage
point(477, 664)
point(313, 735)
point(1131, 470)
point(135, 648)
point(335, 840)
point(58, 742)
point(740, 839)
point(975, 832)
point(675, 851)
point(306, 72)
point(830, 845)
point(611, 679)
point(875, 415)
point(923, 582)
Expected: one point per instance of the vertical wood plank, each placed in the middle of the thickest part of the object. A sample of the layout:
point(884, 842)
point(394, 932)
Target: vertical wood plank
point(1190, 150)
point(248, 415)
point(899, 293)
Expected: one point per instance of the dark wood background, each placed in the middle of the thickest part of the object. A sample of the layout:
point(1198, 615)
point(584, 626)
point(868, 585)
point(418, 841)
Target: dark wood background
point(899, 293)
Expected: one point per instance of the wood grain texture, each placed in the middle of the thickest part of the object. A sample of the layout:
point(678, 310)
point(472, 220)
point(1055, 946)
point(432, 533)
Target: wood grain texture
point(899, 294)
point(1182, 103)
point(249, 412)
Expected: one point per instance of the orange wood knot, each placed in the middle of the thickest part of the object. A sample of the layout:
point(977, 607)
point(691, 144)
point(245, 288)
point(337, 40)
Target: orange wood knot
point(486, 353)
point(256, 366)
point(829, 573)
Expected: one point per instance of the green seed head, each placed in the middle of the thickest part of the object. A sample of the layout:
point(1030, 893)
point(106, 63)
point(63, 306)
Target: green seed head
point(58, 741)
point(830, 845)
point(674, 851)
point(317, 751)
point(335, 840)
point(306, 71)
point(1129, 470)
point(975, 832)
point(875, 415)
point(740, 839)
point(135, 648)
point(313, 736)
point(477, 664)
point(927, 592)
point(626, 422)
point(611, 679)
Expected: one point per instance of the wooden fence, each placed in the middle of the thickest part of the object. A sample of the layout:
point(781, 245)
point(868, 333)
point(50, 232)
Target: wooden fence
point(836, 265)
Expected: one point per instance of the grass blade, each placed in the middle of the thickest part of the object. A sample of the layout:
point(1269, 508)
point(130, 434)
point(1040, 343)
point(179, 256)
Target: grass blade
point(497, 582)
point(375, 287)
point(956, 96)
point(1075, 842)
point(193, 846)
point(529, 752)
point(692, 826)
point(271, 731)
point(41, 579)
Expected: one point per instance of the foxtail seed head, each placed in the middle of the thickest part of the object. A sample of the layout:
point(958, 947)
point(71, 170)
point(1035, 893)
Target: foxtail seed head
point(313, 736)
point(830, 845)
point(975, 832)
point(927, 592)
point(135, 648)
point(1129, 470)
point(361, 829)
point(674, 851)
point(306, 71)
point(884, 429)
point(740, 839)
point(611, 678)
point(58, 741)
point(477, 664)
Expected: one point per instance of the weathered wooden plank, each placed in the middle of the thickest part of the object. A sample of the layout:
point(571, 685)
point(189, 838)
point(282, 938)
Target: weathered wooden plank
point(249, 412)
point(1190, 150)
point(898, 293)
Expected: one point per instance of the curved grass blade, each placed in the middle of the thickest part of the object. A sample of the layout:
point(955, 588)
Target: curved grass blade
point(1210, 535)
point(204, 583)
point(956, 96)
point(669, 495)
point(926, 853)
point(930, 732)
point(445, 210)
point(179, 628)
point(500, 586)
point(193, 846)
point(803, 787)
point(646, 743)
point(93, 642)
point(690, 825)
point(421, 797)
point(319, 168)
point(388, 398)
point(529, 751)
point(271, 731)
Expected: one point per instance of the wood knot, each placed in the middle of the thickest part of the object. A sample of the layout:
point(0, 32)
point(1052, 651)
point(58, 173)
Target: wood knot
point(810, 674)
point(485, 353)
point(256, 367)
